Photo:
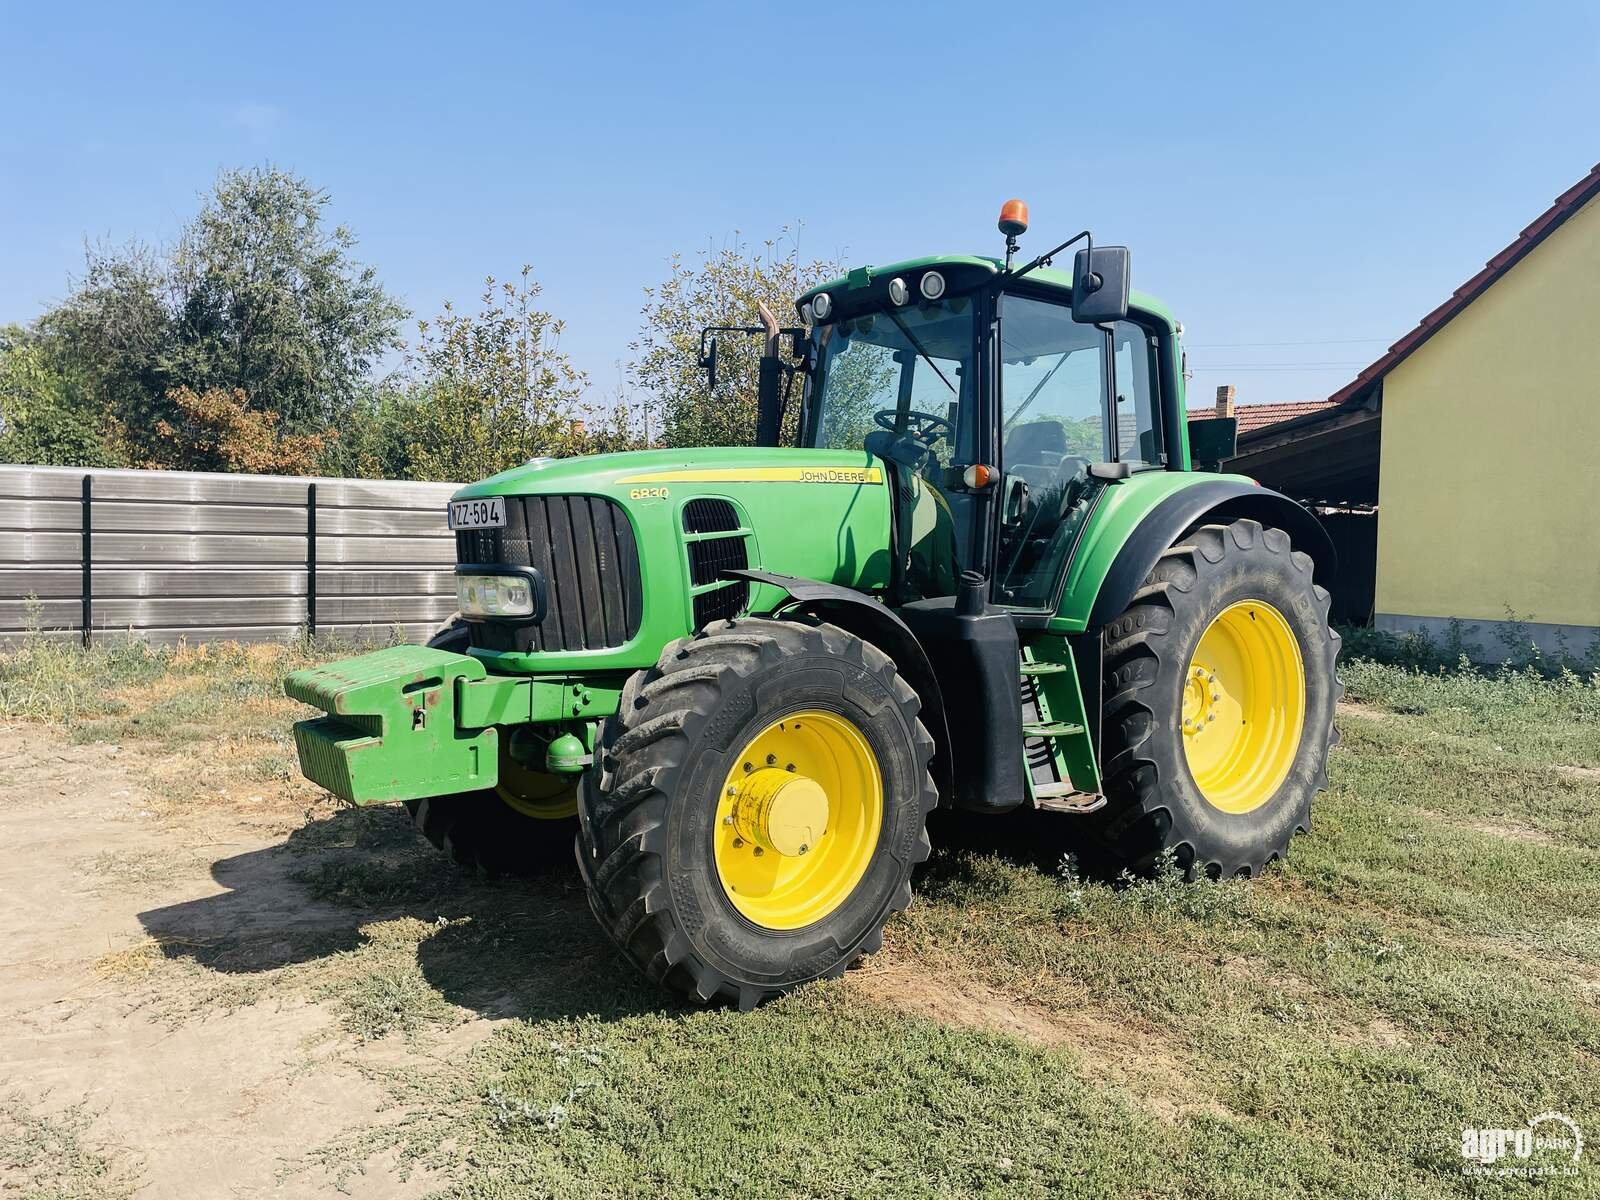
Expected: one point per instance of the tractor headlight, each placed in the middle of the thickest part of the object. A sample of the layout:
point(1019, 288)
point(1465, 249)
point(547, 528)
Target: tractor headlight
point(932, 285)
point(494, 596)
point(805, 314)
point(898, 292)
point(821, 305)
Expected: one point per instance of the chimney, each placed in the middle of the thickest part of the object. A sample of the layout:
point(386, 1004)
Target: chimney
point(1225, 395)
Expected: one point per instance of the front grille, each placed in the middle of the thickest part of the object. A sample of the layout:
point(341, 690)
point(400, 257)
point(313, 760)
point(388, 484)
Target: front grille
point(584, 548)
point(710, 557)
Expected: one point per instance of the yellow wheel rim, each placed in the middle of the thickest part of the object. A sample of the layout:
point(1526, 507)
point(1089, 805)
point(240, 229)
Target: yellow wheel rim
point(798, 819)
point(1244, 706)
point(536, 794)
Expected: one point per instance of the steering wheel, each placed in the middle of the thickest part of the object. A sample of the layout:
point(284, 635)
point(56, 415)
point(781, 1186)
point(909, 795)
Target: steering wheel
point(925, 427)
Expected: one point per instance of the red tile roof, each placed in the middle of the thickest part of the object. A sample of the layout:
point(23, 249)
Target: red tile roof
point(1259, 416)
point(1569, 202)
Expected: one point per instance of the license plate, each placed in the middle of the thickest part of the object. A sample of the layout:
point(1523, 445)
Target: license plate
point(488, 513)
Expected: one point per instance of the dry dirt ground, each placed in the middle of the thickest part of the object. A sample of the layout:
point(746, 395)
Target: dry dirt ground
point(161, 1101)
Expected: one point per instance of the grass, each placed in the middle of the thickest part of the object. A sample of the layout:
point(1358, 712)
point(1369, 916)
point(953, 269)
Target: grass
point(51, 1156)
point(212, 721)
point(1428, 960)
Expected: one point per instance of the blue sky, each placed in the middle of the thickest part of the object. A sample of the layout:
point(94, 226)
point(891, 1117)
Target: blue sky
point(1321, 177)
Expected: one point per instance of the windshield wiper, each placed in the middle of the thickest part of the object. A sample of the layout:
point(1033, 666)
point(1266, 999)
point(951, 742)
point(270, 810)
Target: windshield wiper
point(923, 354)
point(1037, 388)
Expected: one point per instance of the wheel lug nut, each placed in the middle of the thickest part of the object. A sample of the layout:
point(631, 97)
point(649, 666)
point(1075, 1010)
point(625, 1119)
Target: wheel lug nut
point(804, 848)
point(759, 851)
point(732, 791)
point(1211, 716)
point(771, 758)
point(790, 767)
point(748, 768)
point(728, 820)
point(737, 842)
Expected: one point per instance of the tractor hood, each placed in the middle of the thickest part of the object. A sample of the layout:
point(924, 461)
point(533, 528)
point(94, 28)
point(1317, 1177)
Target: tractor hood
point(722, 466)
point(632, 548)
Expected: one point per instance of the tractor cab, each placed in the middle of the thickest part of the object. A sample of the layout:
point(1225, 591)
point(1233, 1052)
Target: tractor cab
point(1002, 400)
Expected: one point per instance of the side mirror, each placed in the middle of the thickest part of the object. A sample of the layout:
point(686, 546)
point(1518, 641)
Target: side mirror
point(1212, 442)
point(1100, 287)
point(708, 363)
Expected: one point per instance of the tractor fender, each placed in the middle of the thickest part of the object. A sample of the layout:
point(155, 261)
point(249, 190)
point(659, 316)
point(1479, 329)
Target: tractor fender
point(858, 613)
point(1212, 502)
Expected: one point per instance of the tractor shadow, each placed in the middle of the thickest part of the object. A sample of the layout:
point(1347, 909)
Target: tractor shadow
point(337, 886)
point(1024, 838)
point(363, 882)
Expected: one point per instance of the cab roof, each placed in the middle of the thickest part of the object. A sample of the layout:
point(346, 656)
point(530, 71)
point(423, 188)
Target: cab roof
point(968, 266)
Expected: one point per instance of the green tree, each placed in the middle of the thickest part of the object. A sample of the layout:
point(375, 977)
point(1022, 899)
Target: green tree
point(722, 287)
point(496, 389)
point(258, 294)
point(43, 416)
point(114, 336)
point(271, 300)
point(376, 439)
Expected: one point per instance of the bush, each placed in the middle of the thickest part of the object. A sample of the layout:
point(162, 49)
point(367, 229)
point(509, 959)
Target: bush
point(1460, 652)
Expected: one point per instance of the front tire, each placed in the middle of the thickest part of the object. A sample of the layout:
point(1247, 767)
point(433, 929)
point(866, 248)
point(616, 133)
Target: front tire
point(498, 832)
point(523, 826)
point(1219, 702)
point(761, 799)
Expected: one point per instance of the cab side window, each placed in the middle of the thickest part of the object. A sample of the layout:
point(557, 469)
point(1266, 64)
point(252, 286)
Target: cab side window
point(1138, 399)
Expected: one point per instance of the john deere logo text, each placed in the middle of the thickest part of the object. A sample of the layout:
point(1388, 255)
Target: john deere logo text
point(835, 475)
point(872, 475)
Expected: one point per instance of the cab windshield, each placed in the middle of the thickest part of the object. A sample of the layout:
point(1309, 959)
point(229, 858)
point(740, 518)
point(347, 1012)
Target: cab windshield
point(908, 371)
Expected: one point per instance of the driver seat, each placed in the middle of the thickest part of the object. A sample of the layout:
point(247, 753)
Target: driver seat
point(1033, 452)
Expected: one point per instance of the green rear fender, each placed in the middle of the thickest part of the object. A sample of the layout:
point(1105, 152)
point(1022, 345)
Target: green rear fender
point(1138, 518)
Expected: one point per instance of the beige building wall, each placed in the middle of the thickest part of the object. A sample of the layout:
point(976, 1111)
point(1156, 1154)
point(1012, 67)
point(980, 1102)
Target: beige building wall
point(1489, 490)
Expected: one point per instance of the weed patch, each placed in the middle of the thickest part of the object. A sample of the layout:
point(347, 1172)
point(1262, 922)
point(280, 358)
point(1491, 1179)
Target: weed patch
point(53, 1156)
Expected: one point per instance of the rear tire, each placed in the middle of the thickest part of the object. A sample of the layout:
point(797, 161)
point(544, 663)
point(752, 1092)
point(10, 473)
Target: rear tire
point(1240, 594)
point(657, 841)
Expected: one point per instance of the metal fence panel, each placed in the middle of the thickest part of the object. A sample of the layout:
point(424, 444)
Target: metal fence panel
point(180, 555)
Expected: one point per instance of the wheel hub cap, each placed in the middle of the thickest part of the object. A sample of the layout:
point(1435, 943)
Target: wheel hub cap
point(781, 812)
point(534, 792)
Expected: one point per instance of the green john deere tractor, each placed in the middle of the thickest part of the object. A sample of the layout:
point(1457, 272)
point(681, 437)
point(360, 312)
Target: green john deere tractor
point(985, 577)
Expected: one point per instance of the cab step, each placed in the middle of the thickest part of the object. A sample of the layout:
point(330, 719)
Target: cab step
point(1050, 729)
point(1062, 798)
point(1043, 668)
